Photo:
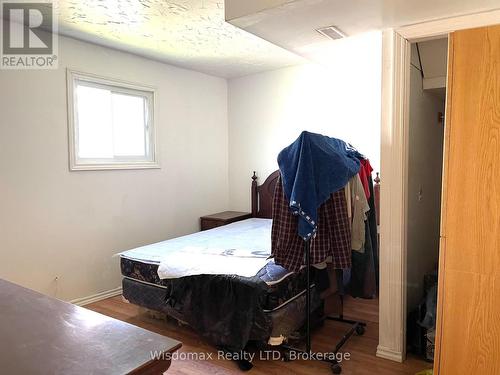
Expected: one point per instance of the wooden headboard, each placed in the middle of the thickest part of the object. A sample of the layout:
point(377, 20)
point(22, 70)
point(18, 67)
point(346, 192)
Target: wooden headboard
point(262, 196)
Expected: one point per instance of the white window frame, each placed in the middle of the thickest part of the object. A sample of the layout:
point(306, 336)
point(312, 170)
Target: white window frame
point(78, 164)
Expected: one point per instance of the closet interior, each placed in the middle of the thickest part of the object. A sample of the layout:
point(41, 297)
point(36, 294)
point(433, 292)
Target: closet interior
point(427, 99)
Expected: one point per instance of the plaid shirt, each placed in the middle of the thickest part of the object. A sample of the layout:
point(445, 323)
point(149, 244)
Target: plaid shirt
point(333, 237)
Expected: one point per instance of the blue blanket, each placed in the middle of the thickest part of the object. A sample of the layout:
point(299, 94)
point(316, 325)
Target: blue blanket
point(313, 167)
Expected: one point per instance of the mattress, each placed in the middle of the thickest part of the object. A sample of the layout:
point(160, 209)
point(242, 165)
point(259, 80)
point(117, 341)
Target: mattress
point(142, 264)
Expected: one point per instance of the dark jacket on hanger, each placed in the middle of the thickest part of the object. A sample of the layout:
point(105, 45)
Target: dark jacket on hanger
point(312, 168)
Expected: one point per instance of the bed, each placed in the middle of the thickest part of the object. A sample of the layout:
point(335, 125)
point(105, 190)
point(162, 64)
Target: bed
point(267, 304)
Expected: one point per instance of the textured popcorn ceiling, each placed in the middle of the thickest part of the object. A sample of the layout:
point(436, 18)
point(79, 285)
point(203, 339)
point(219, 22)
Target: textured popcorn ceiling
point(187, 33)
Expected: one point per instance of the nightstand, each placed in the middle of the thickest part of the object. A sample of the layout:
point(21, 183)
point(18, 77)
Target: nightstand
point(222, 218)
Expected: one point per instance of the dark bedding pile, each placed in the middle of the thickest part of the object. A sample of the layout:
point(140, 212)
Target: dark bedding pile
point(224, 309)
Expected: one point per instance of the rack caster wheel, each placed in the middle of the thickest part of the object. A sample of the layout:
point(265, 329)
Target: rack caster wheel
point(285, 357)
point(360, 330)
point(336, 368)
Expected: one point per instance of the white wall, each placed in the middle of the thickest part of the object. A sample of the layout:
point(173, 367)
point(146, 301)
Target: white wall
point(424, 184)
point(54, 222)
point(267, 111)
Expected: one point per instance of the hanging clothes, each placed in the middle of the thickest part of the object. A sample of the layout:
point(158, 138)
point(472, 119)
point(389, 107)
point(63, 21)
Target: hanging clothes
point(312, 168)
point(364, 173)
point(372, 224)
point(332, 240)
point(314, 202)
point(359, 208)
point(362, 279)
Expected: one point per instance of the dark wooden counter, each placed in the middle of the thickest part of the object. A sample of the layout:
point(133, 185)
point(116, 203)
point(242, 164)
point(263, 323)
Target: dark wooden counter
point(43, 335)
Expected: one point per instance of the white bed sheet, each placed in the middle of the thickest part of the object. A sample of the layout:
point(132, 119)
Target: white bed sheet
point(240, 248)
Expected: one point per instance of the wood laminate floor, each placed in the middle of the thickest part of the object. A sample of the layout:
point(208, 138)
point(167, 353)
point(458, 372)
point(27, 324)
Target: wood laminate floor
point(361, 348)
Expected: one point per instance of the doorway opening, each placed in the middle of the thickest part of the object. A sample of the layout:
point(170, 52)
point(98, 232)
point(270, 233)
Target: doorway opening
point(427, 101)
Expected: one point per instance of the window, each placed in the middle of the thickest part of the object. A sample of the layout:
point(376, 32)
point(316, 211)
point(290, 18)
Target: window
point(111, 124)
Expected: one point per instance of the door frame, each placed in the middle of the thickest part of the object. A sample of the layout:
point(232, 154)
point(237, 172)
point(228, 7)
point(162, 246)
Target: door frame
point(394, 169)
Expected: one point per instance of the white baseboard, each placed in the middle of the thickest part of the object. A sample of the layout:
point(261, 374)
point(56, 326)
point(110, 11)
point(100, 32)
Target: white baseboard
point(389, 354)
point(97, 297)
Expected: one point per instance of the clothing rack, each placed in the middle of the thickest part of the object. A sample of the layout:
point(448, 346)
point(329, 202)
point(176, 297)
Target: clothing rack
point(340, 162)
point(357, 327)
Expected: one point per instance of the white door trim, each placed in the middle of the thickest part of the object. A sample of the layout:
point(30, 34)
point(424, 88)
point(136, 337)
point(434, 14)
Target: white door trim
point(432, 29)
point(394, 165)
point(394, 137)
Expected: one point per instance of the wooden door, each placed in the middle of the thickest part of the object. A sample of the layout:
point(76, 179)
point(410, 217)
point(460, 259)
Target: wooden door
point(468, 329)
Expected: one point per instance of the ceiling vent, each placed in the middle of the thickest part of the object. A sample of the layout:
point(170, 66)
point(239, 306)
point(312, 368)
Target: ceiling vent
point(331, 32)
